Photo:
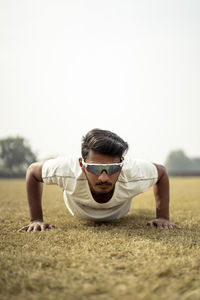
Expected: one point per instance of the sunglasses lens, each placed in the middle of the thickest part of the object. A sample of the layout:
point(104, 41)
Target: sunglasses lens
point(98, 169)
point(113, 169)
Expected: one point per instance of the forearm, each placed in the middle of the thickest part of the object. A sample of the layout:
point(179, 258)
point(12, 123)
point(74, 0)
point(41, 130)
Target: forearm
point(34, 195)
point(161, 193)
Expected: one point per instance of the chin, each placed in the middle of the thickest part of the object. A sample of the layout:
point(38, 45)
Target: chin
point(102, 190)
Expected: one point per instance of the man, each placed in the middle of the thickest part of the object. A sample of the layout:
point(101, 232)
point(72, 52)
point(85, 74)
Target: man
point(99, 185)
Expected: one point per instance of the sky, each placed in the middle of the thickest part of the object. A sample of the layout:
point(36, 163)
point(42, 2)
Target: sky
point(129, 66)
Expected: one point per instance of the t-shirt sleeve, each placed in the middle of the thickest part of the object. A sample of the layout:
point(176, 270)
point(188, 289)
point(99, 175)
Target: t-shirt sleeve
point(57, 171)
point(148, 174)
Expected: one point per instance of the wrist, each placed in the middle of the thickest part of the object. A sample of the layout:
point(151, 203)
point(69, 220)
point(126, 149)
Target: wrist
point(162, 213)
point(36, 220)
point(162, 217)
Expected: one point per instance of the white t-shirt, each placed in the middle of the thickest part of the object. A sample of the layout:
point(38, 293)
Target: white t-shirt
point(135, 177)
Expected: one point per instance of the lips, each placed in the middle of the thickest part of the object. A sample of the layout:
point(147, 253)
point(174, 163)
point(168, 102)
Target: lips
point(104, 184)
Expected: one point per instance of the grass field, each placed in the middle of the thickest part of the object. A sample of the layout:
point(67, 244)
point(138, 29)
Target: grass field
point(84, 260)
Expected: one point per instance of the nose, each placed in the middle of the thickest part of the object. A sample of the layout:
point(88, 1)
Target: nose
point(103, 177)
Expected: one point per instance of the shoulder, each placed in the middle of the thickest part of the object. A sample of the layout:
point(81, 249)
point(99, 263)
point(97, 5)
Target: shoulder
point(138, 169)
point(61, 166)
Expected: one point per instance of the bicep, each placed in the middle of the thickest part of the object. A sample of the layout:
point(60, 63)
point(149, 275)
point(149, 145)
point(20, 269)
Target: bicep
point(35, 169)
point(161, 170)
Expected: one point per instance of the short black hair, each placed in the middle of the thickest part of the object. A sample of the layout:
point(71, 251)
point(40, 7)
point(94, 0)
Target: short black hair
point(103, 142)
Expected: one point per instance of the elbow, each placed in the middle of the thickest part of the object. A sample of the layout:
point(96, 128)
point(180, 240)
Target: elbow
point(31, 168)
point(162, 172)
point(35, 171)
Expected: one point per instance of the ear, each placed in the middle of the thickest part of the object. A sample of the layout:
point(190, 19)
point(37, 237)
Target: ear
point(80, 162)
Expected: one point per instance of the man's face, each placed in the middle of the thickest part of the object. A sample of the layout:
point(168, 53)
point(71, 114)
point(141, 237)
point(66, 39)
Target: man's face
point(103, 183)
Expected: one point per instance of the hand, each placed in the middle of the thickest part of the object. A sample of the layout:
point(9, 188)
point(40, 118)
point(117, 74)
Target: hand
point(37, 226)
point(162, 224)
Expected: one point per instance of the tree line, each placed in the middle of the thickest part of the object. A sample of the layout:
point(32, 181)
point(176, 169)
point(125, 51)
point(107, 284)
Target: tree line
point(16, 155)
point(179, 164)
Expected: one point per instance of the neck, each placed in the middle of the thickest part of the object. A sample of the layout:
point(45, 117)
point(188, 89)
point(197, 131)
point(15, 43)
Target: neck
point(102, 198)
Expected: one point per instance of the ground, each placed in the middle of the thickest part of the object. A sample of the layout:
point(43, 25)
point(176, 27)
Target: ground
point(84, 260)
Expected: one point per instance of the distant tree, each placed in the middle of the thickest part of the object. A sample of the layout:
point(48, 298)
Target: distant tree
point(15, 156)
point(177, 163)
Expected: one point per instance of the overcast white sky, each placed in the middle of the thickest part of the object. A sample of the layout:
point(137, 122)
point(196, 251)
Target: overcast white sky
point(129, 66)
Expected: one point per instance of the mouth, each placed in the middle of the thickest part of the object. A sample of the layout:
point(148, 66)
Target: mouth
point(103, 184)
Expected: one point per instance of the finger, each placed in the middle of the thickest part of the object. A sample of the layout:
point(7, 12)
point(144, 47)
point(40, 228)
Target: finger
point(156, 224)
point(160, 226)
point(30, 228)
point(43, 227)
point(24, 228)
point(177, 226)
point(150, 224)
point(51, 226)
point(166, 226)
point(170, 226)
point(37, 227)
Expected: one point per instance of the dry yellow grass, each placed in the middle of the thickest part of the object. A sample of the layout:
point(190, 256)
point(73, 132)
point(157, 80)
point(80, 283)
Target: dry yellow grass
point(84, 260)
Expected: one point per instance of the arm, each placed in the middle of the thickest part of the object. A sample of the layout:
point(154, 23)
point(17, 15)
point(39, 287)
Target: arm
point(161, 194)
point(34, 187)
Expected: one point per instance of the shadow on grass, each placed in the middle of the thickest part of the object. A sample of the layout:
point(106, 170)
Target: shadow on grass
point(134, 225)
